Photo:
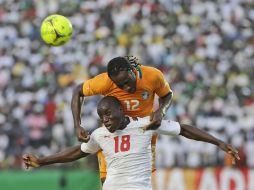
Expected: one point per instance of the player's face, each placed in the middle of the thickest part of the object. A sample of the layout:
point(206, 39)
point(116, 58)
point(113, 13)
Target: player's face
point(126, 80)
point(111, 116)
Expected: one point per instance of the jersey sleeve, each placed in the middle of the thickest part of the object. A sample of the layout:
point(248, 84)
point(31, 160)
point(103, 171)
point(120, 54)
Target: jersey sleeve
point(169, 127)
point(162, 86)
point(99, 85)
point(91, 146)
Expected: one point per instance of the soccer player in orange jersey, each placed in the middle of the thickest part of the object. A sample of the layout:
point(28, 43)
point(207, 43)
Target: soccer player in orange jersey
point(134, 85)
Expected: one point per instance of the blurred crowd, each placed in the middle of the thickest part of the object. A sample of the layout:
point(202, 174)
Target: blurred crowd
point(205, 49)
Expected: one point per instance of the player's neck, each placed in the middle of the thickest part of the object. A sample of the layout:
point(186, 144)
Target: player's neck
point(125, 122)
point(138, 71)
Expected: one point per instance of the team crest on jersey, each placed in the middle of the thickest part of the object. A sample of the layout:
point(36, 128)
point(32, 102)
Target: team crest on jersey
point(145, 95)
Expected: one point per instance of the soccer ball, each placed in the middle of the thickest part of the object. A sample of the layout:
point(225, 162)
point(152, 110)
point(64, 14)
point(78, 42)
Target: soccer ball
point(56, 30)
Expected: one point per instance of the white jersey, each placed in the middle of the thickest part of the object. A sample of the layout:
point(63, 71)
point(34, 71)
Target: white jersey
point(128, 153)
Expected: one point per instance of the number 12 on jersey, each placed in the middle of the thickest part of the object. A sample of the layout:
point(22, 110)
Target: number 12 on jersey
point(122, 143)
point(131, 105)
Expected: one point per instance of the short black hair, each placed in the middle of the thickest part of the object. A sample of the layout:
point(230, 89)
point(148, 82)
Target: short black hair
point(110, 100)
point(118, 64)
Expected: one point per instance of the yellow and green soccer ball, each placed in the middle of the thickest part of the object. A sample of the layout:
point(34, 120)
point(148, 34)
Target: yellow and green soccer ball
point(56, 30)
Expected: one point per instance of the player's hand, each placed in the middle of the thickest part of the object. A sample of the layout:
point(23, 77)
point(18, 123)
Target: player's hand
point(230, 150)
point(31, 160)
point(155, 118)
point(82, 135)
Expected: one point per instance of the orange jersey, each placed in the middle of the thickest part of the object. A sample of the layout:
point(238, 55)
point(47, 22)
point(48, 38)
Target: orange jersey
point(138, 104)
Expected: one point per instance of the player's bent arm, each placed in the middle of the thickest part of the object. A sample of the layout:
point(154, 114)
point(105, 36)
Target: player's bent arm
point(157, 116)
point(199, 135)
point(165, 101)
point(174, 128)
point(169, 127)
point(195, 133)
point(76, 103)
point(68, 155)
point(163, 90)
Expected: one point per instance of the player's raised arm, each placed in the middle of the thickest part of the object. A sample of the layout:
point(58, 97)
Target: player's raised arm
point(76, 103)
point(99, 85)
point(68, 155)
point(194, 133)
point(164, 103)
point(174, 128)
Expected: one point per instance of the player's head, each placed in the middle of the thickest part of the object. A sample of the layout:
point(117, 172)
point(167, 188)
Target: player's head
point(111, 113)
point(121, 72)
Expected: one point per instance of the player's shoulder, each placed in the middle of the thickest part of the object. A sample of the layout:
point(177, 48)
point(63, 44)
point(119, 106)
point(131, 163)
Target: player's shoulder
point(151, 74)
point(100, 131)
point(150, 70)
point(103, 77)
point(138, 122)
point(100, 84)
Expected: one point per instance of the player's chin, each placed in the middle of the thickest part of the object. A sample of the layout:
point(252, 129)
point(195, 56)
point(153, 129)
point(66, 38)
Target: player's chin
point(111, 130)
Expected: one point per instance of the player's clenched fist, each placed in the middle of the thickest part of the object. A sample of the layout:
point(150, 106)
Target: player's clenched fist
point(82, 135)
point(31, 160)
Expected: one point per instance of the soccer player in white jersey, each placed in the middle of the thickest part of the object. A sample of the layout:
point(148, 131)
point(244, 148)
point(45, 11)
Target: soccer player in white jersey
point(126, 144)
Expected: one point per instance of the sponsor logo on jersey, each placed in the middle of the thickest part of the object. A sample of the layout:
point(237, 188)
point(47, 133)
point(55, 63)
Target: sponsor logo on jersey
point(106, 136)
point(141, 129)
point(145, 95)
